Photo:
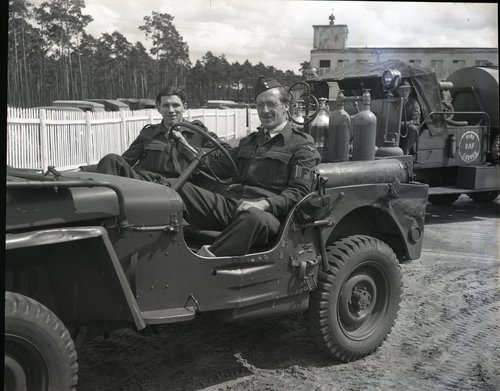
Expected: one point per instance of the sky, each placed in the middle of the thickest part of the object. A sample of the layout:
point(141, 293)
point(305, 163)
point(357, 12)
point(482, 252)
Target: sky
point(280, 32)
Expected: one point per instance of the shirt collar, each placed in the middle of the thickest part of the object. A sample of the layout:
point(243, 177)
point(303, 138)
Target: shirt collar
point(276, 130)
point(285, 129)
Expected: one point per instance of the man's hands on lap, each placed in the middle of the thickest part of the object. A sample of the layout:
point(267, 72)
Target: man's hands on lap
point(260, 204)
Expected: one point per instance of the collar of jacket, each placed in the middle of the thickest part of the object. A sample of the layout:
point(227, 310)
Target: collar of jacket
point(286, 132)
point(162, 128)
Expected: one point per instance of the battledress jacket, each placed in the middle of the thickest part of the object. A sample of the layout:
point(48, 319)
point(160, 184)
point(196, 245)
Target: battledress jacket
point(279, 169)
point(155, 152)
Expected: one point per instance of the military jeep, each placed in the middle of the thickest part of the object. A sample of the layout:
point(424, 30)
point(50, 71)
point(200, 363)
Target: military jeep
point(88, 252)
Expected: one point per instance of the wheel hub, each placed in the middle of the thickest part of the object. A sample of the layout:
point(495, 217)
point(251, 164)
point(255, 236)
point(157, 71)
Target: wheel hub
point(360, 299)
point(357, 299)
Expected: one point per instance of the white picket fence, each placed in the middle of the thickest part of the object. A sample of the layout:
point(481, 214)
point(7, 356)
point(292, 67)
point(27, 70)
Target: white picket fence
point(38, 138)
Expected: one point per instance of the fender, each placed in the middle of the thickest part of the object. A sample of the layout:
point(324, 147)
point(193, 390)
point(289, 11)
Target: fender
point(74, 276)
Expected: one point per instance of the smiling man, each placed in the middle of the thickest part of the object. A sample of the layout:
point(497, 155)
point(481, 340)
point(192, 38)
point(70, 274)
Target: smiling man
point(275, 166)
point(156, 153)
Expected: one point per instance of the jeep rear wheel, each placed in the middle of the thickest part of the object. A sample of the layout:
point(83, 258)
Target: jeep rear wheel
point(39, 352)
point(357, 300)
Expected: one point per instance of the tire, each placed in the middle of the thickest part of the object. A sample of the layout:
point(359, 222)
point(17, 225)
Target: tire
point(347, 324)
point(486, 196)
point(39, 352)
point(443, 199)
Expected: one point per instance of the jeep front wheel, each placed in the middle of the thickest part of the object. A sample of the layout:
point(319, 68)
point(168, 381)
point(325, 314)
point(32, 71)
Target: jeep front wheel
point(39, 352)
point(357, 300)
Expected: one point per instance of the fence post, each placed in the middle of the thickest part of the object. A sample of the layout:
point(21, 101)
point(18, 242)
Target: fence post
point(150, 116)
point(43, 139)
point(236, 123)
point(123, 131)
point(88, 137)
point(217, 123)
point(190, 117)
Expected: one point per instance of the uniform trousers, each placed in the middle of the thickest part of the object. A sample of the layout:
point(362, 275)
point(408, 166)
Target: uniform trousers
point(240, 231)
point(407, 142)
point(114, 164)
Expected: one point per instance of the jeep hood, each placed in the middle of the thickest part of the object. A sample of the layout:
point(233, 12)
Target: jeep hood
point(76, 198)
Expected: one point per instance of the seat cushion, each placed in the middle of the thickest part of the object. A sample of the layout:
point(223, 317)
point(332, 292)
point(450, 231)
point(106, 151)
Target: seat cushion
point(200, 235)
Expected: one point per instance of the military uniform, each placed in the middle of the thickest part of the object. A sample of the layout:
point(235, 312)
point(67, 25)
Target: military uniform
point(278, 169)
point(410, 124)
point(153, 156)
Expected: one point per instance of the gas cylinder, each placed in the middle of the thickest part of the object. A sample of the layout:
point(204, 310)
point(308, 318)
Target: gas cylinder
point(390, 146)
point(339, 133)
point(364, 126)
point(297, 116)
point(319, 129)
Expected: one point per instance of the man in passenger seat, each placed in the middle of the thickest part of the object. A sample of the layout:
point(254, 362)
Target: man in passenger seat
point(275, 166)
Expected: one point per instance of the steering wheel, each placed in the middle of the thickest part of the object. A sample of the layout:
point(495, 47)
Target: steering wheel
point(183, 178)
point(306, 96)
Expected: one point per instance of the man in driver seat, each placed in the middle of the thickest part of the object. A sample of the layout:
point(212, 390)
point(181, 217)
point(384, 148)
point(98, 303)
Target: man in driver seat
point(275, 166)
point(156, 154)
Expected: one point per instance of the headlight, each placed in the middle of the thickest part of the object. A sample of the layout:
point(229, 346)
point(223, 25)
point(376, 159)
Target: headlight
point(391, 79)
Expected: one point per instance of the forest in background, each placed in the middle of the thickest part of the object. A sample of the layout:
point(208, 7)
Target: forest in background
point(50, 56)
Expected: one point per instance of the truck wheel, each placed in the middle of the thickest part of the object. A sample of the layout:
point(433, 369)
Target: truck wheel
point(487, 196)
point(39, 352)
point(357, 300)
point(443, 199)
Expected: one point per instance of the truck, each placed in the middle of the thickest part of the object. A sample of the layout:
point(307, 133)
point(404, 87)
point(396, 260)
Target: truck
point(457, 150)
point(87, 253)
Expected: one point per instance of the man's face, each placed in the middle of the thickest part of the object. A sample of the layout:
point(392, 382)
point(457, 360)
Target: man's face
point(404, 93)
point(171, 108)
point(272, 112)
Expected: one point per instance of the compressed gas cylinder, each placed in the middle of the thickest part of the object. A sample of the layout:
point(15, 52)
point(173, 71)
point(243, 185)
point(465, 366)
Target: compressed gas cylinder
point(364, 126)
point(339, 134)
point(319, 130)
point(297, 116)
point(390, 147)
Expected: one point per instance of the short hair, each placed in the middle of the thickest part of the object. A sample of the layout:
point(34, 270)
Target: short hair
point(178, 91)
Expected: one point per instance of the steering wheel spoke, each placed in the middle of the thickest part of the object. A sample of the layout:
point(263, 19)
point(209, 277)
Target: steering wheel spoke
point(195, 163)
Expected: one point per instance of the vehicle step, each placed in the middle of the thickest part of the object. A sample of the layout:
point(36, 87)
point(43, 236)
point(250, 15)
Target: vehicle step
point(172, 315)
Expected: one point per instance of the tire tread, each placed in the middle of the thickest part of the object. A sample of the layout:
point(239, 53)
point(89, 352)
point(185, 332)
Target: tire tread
point(338, 256)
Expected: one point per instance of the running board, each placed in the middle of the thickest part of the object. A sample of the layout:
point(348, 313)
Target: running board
point(456, 190)
point(172, 315)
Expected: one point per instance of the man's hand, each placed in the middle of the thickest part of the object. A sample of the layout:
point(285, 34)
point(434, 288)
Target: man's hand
point(180, 138)
point(261, 204)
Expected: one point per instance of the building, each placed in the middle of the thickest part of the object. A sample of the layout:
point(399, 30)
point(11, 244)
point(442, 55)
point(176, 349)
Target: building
point(330, 51)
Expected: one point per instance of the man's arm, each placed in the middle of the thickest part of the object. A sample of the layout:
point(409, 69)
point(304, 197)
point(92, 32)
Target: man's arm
point(135, 150)
point(302, 164)
point(415, 112)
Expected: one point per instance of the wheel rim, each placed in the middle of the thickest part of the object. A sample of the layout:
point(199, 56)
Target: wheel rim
point(363, 301)
point(25, 366)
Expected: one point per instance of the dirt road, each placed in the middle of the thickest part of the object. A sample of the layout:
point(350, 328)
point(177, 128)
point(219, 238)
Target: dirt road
point(447, 336)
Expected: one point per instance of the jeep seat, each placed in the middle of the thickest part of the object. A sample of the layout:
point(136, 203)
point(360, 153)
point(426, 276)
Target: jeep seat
point(199, 236)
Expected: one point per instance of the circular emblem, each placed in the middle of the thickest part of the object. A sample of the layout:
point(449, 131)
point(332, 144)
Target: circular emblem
point(469, 147)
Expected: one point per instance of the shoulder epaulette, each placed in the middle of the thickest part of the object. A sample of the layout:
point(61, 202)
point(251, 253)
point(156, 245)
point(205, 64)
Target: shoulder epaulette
point(152, 129)
point(300, 132)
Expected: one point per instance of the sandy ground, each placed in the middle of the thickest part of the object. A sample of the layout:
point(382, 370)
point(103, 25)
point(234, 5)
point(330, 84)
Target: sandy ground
point(447, 335)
